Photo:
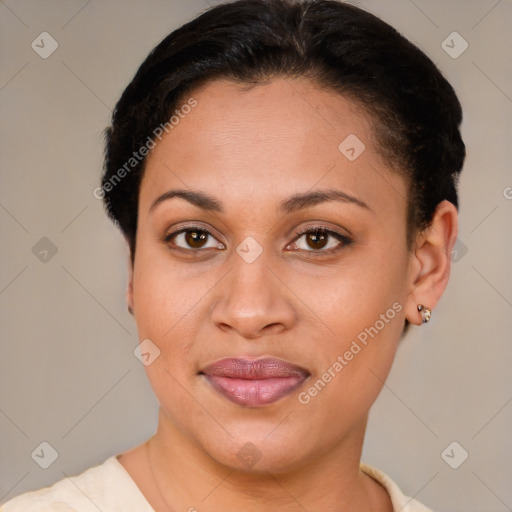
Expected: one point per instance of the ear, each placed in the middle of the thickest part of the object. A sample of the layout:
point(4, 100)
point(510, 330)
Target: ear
point(129, 289)
point(431, 261)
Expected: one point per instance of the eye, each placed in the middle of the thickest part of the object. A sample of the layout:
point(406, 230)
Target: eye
point(322, 240)
point(193, 237)
point(316, 240)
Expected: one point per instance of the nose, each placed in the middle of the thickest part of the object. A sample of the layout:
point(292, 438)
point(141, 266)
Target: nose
point(253, 300)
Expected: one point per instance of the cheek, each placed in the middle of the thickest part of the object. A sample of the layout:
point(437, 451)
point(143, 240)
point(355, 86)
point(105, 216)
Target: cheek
point(355, 294)
point(353, 368)
point(362, 306)
point(166, 312)
point(165, 304)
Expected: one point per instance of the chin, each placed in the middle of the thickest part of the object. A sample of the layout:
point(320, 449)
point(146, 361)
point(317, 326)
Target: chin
point(252, 453)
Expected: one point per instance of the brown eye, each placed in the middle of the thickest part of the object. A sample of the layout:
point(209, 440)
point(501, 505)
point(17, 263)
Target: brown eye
point(321, 240)
point(193, 238)
point(317, 239)
point(196, 239)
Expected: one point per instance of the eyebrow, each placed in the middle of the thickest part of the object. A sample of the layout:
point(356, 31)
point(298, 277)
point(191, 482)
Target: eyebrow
point(292, 204)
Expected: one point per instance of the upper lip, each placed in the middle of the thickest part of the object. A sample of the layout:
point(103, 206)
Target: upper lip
point(265, 368)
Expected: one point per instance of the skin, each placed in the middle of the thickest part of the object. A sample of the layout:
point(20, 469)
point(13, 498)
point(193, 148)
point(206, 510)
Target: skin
point(251, 150)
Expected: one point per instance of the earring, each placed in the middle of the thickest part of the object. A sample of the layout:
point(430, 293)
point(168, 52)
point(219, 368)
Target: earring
point(425, 313)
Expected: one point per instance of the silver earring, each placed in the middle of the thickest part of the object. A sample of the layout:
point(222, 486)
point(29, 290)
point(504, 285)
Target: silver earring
point(425, 313)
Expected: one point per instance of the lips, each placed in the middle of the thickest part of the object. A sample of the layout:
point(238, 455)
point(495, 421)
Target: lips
point(254, 383)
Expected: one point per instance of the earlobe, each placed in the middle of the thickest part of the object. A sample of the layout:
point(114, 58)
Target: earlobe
point(129, 299)
point(432, 263)
point(129, 290)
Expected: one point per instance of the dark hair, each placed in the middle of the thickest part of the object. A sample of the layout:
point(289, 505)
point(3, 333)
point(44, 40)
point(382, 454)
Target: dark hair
point(337, 46)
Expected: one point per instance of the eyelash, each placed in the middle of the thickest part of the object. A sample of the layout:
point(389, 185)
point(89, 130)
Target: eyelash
point(345, 240)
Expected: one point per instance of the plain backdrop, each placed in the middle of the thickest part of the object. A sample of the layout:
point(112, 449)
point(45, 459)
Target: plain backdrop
point(69, 376)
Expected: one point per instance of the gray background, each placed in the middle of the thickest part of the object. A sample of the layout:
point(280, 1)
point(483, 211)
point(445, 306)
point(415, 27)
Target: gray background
point(68, 373)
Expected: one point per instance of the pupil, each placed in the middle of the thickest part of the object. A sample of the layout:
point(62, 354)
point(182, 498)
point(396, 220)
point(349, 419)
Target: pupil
point(318, 237)
point(195, 238)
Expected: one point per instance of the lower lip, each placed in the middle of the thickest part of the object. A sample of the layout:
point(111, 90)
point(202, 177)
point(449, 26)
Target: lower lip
point(257, 392)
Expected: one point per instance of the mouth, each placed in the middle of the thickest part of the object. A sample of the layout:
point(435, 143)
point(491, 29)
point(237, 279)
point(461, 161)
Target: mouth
point(254, 383)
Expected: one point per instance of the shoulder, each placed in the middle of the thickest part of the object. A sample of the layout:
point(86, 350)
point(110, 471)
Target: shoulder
point(400, 501)
point(107, 487)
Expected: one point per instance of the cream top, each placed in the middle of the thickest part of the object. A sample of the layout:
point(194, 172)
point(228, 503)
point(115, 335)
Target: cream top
point(110, 488)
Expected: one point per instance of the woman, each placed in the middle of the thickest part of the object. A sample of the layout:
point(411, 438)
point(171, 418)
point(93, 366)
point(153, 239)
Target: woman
point(284, 174)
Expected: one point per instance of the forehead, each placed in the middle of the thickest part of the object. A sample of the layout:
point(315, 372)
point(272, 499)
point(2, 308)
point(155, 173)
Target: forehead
point(294, 115)
point(272, 140)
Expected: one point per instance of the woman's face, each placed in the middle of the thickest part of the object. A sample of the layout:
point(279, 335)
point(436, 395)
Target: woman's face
point(321, 312)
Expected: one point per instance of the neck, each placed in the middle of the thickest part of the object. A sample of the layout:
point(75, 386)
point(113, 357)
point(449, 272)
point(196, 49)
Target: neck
point(189, 479)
